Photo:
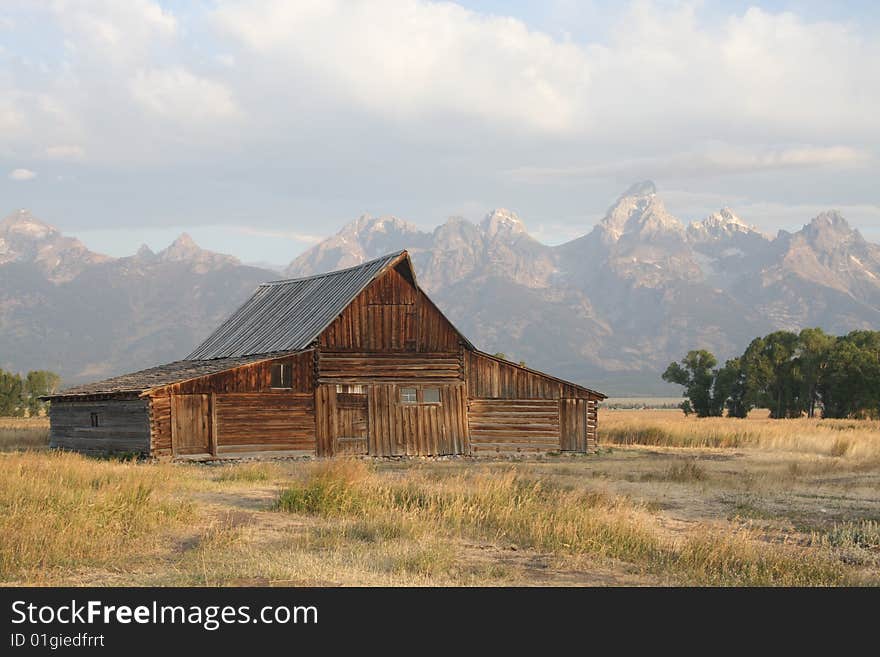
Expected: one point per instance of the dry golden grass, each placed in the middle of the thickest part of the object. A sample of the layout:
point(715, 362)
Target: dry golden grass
point(63, 511)
point(23, 433)
point(856, 440)
point(770, 509)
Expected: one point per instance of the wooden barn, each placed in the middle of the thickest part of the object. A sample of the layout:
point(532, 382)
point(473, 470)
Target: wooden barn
point(357, 361)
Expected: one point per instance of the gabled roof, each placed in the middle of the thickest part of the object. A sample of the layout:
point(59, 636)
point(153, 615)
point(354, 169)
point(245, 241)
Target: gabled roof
point(155, 377)
point(289, 315)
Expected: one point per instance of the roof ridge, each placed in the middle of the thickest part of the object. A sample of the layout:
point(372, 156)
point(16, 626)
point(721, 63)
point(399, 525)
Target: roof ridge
point(284, 281)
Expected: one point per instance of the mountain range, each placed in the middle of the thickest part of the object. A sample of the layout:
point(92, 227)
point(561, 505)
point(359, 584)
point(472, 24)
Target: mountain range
point(610, 309)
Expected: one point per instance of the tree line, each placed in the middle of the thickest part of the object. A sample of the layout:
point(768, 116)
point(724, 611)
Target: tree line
point(792, 374)
point(19, 395)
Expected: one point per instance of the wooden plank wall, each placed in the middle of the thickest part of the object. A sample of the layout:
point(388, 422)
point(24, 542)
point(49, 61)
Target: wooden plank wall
point(513, 425)
point(124, 426)
point(390, 315)
point(191, 425)
point(254, 422)
point(573, 424)
point(326, 419)
point(397, 429)
point(352, 412)
point(349, 367)
point(256, 377)
point(491, 378)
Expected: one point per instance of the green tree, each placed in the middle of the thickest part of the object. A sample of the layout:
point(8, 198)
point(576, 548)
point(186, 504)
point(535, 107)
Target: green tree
point(696, 373)
point(11, 389)
point(813, 351)
point(850, 384)
point(729, 389)
point(36, 384)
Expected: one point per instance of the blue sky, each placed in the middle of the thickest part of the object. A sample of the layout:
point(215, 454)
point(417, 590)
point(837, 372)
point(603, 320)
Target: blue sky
point(260, 127)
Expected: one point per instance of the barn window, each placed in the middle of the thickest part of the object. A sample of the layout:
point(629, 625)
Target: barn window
point(280, 375)
point(408, 396)
point(350, 388)
point(431, 395)
point(94, 419)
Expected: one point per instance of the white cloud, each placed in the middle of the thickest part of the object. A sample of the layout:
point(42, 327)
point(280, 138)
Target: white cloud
point(65, 152)
point(712, 161)
point(661, 72)
point(22, 174)
point(410, 59)
point(114, 29)
point(293, 235)
point(179, 95)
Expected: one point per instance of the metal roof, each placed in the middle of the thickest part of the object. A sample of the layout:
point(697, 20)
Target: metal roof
point(289, 315)
point(155, 377)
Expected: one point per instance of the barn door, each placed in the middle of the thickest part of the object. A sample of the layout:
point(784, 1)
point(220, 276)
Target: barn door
point(351, 423)
point(191, 424)
point(573, 425)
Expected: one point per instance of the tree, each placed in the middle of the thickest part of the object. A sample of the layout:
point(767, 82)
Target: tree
point(36, 384)
point(697, 375)
point(850, 383)
point(11, 389)
point(771, 377)
point(729, 389)
point(813, 351)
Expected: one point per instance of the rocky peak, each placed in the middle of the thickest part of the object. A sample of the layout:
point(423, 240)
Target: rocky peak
point(22, 225)
point(24, 238)
point(367, 225)
point(829, 231)
point(502, 222)
point(640, 213)
point(144, 252)
point(184, 249)
point(641, 188)
point(721, 225)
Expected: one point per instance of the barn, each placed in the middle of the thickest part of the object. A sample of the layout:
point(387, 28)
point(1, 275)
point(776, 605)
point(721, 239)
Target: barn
point(356, 361)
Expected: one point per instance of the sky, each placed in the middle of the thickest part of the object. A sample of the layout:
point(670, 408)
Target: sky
point(260, 127)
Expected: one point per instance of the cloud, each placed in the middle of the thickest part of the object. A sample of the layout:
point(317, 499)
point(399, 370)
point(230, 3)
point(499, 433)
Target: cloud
point(279, 234)
point(65, 152)
point(325, 109)
point(127, 29)
point(179, 95)
point(22, 174)
point(713, 161)
point(415, 60)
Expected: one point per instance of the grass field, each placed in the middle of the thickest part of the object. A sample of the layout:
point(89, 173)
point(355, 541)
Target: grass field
point(669, 500)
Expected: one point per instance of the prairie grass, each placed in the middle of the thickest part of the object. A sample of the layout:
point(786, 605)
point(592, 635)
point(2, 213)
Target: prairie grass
point(853, 440)
point(60, 510)
point(771, 508)
point(247, 473)
point(507, 508)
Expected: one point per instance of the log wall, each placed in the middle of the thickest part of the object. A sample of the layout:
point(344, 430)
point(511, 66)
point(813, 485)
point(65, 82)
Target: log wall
point(513, 425)
point(350, 367)
point(124, 426)
point(254, 422)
